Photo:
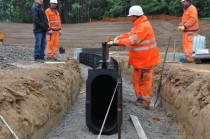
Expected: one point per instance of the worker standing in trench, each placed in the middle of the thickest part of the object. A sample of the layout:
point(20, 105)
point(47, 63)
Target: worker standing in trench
point(54, 30)
point(189, 25)
point(143, 53)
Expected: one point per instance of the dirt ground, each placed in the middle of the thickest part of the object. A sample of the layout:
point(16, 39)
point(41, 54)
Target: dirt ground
point(26, 101)
point(92, 34)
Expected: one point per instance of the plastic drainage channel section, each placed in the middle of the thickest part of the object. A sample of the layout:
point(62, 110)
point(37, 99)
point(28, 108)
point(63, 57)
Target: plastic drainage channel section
point(100, 86)
point(77, 51)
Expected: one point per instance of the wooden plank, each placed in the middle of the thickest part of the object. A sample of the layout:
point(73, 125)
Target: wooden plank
point(54, 62)
point(139, 129)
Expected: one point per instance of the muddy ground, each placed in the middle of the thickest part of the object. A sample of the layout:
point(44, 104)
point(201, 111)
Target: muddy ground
point(31, 110)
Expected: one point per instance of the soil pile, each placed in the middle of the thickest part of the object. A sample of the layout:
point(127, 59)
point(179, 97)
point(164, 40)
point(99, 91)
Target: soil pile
point(34, 97)
point(186, 93)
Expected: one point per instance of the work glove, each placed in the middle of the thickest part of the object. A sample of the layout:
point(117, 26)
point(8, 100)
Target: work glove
point(181, 28)
point(112, 43)
point(60, 32)
point(50, 32)
point(197, 34)
point(116, 38)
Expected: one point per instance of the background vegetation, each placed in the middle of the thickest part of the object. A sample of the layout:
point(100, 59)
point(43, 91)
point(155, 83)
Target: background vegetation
point(78, 11)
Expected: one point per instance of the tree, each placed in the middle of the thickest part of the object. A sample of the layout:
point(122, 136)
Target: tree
point(5, 10)
point(79, 11)
point(21, 11)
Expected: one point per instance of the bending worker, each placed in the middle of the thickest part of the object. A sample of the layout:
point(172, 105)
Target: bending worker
point(54, 30)
point(143, 53)
point(189, 26)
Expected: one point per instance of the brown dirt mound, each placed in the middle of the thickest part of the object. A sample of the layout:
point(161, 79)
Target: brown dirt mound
point(186, 93)
point(33, 103)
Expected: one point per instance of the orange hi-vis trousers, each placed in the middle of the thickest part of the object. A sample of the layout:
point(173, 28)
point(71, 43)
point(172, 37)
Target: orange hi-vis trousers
point(142, 82)
point(187, 43)
point(52, 45)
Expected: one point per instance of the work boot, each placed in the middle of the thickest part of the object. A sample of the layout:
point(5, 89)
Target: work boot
point(140, 100)
point(36, 58)
point(49, 59)
point(146, 104)
point(42, 57)
point(56, 59)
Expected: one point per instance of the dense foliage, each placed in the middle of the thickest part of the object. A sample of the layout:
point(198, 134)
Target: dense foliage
point(78, 11)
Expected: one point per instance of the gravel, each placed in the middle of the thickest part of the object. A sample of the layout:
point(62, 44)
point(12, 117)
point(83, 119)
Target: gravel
point(157, 123)
point(15, 54)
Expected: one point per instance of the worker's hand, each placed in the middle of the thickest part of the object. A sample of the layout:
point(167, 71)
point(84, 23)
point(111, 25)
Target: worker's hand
point(50, 32)
point(197, 34)
point(116, 38)
point(181, 28)
point(112, 43)
point(60, 32)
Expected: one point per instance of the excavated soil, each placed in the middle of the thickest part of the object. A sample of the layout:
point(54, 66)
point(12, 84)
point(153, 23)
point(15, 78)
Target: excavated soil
point(35, 96)
point(186, 93)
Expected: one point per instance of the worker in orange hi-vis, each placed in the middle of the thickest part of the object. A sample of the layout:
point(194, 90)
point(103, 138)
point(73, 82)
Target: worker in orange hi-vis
point(189, 25)
point(54, 30)
point(143, 53)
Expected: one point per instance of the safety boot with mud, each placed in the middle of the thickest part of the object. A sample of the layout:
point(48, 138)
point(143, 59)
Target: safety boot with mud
point(139, 101)
point(146, 104)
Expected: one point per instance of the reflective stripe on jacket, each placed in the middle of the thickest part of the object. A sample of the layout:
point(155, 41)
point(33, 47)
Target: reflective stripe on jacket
point(143, 52)
point(53, 17)
point(190, 19)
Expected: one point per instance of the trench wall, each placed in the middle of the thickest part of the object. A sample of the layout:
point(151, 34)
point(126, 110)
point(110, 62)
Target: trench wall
point(35, 98)
point(186, 93)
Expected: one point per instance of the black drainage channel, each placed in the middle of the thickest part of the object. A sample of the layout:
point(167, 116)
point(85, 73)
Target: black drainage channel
point(101, 84)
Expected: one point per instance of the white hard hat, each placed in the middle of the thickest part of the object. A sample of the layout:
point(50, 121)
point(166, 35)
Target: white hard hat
point(183, 0)
point(53, 1)
point(135, 10)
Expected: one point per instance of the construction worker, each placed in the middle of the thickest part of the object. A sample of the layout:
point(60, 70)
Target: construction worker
point(189, 25)
point(40, 27)
point(54, 30)
point(143, 53)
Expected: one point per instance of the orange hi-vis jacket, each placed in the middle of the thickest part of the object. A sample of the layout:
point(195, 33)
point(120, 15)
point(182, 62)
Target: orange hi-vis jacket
point(54, 20)
point(191, 23)
point(143, 52)
point(190, 19)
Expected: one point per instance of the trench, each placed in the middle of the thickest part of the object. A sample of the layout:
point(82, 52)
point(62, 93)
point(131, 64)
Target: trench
point(100, 85)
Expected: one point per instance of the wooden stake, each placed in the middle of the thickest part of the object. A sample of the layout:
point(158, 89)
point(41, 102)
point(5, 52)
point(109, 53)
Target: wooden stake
point(138, 127)
point(174, 49)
